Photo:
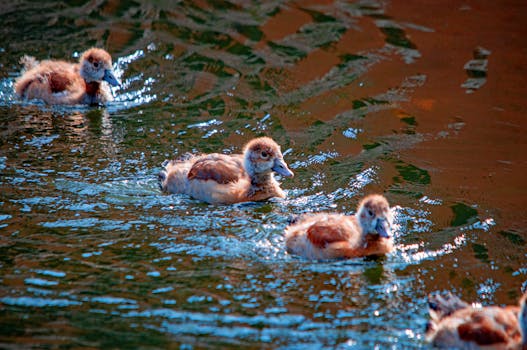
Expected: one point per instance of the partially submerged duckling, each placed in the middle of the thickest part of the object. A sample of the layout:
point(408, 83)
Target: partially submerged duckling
point(330, 236)
point(59, 82)
point(456, 324)
point(225, 179)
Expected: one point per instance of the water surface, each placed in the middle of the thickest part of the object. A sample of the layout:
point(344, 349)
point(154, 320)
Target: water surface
point(423, 103)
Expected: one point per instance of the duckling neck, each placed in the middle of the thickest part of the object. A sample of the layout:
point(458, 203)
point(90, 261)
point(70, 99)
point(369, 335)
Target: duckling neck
point(92, 88)
point(262, 187)
point(261, 179)
point(363, 229)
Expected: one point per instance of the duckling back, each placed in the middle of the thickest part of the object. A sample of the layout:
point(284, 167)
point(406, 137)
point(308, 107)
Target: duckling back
point(456, 324)
point(55, 82)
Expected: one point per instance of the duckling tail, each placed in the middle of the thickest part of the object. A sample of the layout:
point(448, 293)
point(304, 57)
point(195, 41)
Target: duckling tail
point(23, 82)
point(28, 62)
point(161, 177)
point(292, 219)
point(444, 305)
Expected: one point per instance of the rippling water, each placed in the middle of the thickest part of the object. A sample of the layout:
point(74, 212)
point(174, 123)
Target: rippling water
point(423, 103)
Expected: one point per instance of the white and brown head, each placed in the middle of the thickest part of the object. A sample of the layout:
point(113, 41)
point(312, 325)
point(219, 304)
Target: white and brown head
point(522, 319)
point(96, 66)
point(374, 215)
point(263, 156)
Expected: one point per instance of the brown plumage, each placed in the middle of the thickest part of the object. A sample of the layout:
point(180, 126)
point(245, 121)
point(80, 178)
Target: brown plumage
point(455, 324)
point(226, 179)
point(60, 82)
point(330, 236)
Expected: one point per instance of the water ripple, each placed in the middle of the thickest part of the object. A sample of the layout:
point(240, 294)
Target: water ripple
point(319, 158)
point(40, 282)
point(105, 225)
point(38, 302)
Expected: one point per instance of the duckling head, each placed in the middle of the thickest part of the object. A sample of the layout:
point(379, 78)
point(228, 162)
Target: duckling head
point(96, 66)
point(522, 319)
point(374, 215)
point(263, 156)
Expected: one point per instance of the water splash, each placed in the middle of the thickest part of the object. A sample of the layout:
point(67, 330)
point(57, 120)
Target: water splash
point(487, 289)
point(319, 158)
point(7, 92)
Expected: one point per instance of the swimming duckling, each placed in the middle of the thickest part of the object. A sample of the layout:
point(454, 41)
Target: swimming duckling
point(330, 236)
point(225, 179)
point(60, 82)
point(456, 324)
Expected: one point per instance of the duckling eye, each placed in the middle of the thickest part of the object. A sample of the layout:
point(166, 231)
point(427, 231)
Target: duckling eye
point(96, 64)
point(264, 154)
point(370, 212)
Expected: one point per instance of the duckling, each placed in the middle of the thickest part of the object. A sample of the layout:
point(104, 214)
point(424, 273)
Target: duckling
point(456, 324)
point(225, 179)
point(331, 235)
point(60, 82)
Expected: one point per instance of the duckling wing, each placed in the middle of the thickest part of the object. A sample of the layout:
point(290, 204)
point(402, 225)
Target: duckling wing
point(58, 82)
point(220, 168)
point(321, 235)
point(489, 326)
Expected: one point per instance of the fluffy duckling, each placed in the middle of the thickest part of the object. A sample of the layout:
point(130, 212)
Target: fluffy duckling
point(455, 324)
point(60, 82)
point(330, 236)
point(226, 179)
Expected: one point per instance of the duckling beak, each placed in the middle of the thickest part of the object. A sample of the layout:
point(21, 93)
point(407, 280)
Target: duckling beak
point(110, 78)
point(383, 228)
point(281, 168)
